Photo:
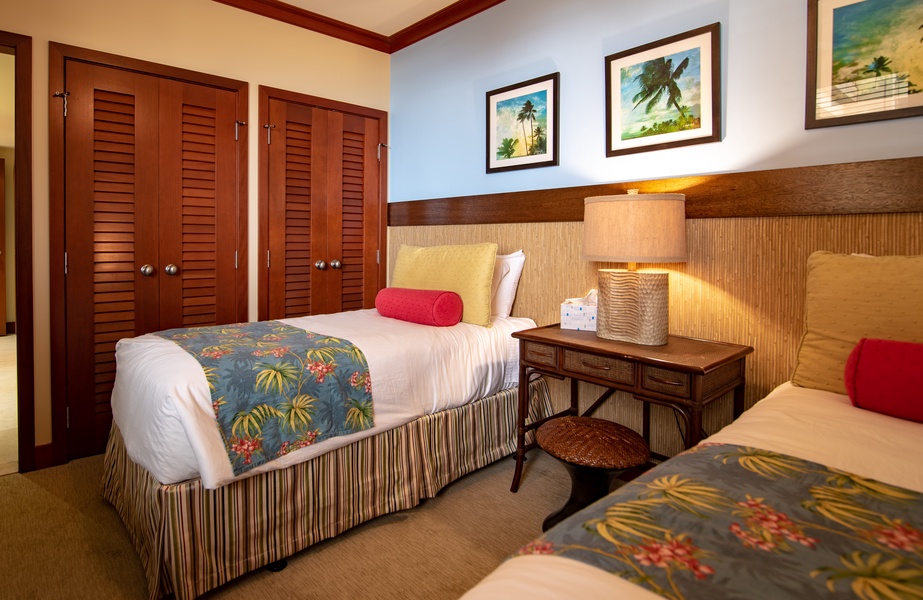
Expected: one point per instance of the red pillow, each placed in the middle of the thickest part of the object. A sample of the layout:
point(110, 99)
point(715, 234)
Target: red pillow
point(427, 307)
point(886, 376)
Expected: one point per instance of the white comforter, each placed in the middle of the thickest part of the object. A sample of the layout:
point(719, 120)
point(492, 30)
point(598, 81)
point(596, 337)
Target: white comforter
point(163, 408)
point(819, 426)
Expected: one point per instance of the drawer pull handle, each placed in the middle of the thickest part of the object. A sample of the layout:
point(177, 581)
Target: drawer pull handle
point(545, 354)
point(665, 381)
point(598, 367)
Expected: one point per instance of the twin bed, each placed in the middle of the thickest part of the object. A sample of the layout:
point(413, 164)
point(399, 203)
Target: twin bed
point(817, 462)
point(445, 404)
point(816, 491)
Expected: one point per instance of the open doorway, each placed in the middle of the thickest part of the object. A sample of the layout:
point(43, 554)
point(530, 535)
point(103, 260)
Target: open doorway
point(17, 249)
point(9, 420)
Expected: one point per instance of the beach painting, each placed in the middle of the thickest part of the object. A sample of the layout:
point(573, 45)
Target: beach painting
point(664, 94)
point(522, 125)
point(866, 58)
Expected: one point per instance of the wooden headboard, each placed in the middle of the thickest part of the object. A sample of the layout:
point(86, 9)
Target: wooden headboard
point(748, 234)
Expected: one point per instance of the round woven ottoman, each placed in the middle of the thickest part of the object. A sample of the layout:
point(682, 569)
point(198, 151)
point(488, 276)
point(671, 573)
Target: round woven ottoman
point(594, 452)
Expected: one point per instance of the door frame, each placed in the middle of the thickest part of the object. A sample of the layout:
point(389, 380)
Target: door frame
point(22, 170)
point(58, 55)
point(266, 94)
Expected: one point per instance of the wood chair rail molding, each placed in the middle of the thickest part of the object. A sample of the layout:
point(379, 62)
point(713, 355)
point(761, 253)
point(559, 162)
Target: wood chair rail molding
point(879, 186)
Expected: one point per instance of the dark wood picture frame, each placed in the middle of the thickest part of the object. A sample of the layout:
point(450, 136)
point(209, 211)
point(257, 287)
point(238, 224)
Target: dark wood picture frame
point(640, 79)
point(864, 89)
point(524, 105)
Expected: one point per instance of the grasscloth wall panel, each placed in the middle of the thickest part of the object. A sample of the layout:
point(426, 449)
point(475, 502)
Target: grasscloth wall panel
point(743, 283)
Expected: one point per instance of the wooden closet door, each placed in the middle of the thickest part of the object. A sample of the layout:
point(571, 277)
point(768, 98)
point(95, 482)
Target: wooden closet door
point(151, 181)
point(360, 212)
point(324, 204)
point(294, 202)
point(198, 206)
point(111, 229)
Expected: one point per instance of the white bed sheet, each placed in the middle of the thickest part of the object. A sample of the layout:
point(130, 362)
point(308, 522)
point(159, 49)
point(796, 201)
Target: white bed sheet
point(811, 424)
point(163, 408)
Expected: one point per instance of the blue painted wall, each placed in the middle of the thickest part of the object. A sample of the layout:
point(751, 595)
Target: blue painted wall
point(438, 88)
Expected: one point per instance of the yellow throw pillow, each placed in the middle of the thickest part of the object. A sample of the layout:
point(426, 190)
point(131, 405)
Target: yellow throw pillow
point(466, 270)
point(848, 297)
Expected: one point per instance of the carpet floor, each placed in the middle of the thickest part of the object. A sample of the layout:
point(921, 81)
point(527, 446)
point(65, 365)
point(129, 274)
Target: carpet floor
point(60, 539)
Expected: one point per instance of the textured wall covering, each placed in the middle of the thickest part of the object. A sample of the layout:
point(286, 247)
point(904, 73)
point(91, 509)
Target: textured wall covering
point(743, 283)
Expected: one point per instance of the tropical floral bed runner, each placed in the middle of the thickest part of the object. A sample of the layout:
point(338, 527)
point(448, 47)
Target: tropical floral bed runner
point(725, 521)
point(277, 388)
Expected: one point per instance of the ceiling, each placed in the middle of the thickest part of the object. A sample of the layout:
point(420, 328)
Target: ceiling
point(385, 17)
point(383, 25)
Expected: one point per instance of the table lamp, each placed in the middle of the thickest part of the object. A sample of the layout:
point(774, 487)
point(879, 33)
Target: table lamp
point(634, 228)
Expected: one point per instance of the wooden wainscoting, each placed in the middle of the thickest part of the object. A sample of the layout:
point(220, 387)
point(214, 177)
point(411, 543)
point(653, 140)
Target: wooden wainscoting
point(743, 283)
point(875, 186)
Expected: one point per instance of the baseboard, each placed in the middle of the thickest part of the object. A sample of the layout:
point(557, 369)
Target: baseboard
point(44, 456)
point(10, 327)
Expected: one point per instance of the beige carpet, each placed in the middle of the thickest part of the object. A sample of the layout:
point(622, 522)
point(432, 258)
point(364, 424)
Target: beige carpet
point(59, 539)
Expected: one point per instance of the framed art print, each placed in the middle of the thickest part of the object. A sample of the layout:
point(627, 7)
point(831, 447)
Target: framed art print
point(665, 94)
point(865, 61)
point(522, 125)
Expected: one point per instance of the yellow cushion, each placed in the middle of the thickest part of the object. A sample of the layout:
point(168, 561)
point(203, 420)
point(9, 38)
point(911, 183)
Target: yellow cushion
point(849, 297)
point(466, 270)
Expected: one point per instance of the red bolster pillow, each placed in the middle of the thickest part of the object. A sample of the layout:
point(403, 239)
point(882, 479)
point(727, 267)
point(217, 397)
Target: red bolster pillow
point(886, 377)
point(427, 307)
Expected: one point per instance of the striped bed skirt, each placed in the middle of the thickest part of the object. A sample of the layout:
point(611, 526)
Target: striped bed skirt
point(191, 539)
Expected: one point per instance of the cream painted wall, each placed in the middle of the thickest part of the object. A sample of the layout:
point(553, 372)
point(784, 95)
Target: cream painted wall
point(200, 35)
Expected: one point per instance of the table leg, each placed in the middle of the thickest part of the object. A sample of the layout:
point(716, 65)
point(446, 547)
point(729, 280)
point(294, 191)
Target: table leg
point(739, 400)
point(694, 427)
point(522, 411)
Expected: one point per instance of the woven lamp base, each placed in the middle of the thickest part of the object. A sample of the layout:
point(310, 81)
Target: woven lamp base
point(633, 306)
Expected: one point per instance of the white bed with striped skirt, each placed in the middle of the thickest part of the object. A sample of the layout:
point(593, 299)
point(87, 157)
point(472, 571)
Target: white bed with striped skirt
point(445, 405)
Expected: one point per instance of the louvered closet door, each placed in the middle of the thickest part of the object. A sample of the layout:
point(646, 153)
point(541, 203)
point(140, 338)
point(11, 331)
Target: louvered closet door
point(353, 214)
point(323, 206)
point(150, 181)
point(198, 202)
point(111, 220)
point(292, 208)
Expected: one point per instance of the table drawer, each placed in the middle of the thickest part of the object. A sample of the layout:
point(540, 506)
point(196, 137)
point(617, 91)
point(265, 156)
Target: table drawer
point(610, 369)
point(542, 354)
point(666, 382)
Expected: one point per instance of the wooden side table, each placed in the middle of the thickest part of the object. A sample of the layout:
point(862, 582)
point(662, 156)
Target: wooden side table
point(685, 375)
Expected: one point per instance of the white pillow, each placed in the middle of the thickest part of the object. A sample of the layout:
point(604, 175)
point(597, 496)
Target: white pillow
point(507, 271)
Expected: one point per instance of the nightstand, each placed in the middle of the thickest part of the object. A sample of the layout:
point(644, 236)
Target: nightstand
point(685, 374)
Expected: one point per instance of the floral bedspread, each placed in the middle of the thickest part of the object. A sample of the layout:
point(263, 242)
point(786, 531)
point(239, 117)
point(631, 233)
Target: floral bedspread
point(277, 388)
point(725, 521)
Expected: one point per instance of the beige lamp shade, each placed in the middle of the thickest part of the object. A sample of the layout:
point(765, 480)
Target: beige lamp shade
point(633, 228)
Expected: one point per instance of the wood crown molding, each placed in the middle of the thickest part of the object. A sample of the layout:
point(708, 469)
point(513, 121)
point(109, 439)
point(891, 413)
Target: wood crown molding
point(880, 186)
point(445, 18)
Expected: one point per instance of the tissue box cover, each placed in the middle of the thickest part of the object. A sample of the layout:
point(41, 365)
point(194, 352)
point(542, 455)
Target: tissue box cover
point(578, 316)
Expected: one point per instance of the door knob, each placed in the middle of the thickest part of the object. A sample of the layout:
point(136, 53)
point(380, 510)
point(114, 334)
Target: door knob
point(320, 265)
point(147, 270)
point(336, 264)
point(171, 269)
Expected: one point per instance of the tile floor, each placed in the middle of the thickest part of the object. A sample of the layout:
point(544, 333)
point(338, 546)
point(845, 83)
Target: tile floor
point(9, 437)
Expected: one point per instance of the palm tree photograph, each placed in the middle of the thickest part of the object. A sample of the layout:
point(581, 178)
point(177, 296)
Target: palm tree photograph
point(521, 124)
point(867, 63)
point(877, 40)
point(517, 119)
point(665, 94)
